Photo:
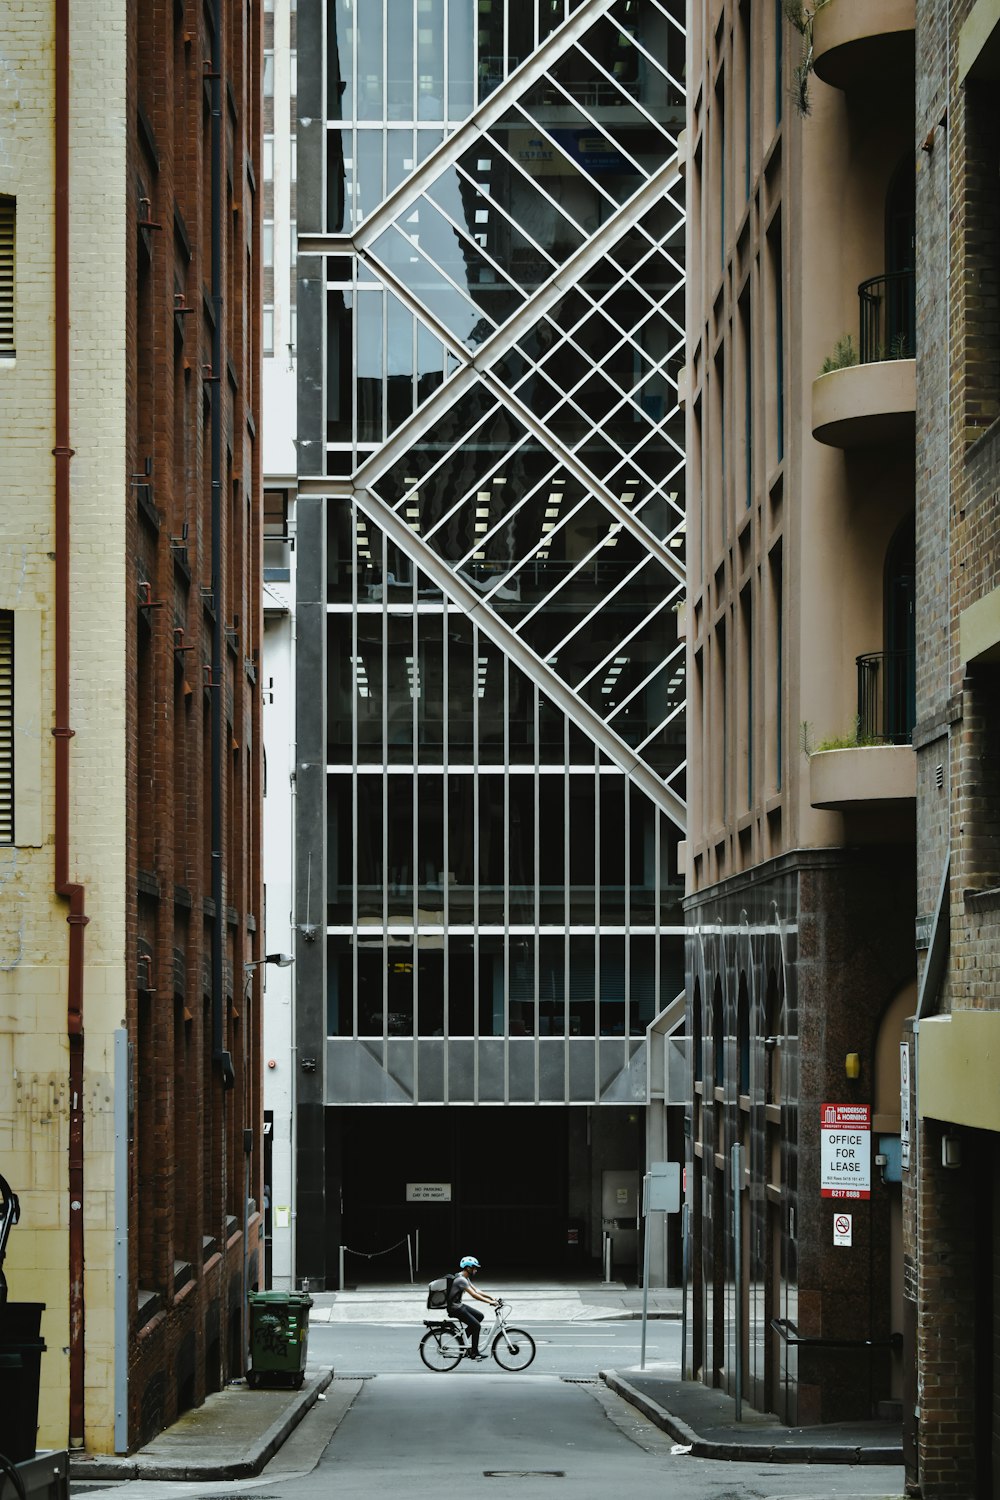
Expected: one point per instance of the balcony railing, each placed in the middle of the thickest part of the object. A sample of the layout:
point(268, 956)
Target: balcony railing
point(888, 317)
point(886, 692)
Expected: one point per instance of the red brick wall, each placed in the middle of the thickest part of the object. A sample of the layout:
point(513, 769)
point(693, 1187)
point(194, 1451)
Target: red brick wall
point(187, 1185)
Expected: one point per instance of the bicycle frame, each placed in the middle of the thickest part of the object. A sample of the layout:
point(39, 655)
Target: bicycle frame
point(451, 1339)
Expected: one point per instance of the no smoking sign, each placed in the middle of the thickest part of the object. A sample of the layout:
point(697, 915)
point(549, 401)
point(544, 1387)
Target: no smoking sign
point(843, 1226)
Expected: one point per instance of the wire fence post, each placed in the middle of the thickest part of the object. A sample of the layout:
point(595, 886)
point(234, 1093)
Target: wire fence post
point(416, 1250)
point(342, 1268)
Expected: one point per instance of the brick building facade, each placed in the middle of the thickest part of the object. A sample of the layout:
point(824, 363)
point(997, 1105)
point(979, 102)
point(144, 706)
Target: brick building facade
point(130, 1097)
point(952, 1186)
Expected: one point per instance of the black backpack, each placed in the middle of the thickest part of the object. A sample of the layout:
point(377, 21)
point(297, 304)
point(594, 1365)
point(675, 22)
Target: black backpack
point(439, 1291)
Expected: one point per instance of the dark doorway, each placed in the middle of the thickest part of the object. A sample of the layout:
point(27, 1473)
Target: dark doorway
point(505, 1168)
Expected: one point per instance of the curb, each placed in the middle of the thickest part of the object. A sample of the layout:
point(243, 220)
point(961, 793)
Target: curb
point(85, 1470)
point(781, 1453)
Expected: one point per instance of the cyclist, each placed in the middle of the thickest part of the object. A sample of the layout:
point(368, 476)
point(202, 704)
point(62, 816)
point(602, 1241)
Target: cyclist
point(462, 1283)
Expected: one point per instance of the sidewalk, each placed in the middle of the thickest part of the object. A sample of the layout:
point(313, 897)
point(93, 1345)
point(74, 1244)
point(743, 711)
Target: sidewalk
point(231, 1436)
point(703, 1420)
point(544, 1302)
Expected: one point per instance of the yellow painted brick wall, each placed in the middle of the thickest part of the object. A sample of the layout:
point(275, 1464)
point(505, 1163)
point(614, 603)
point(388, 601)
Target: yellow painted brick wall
point(33, 929)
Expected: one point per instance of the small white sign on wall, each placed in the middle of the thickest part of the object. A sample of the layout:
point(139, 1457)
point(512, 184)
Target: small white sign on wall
point(843, 1229)
point(428, 1192)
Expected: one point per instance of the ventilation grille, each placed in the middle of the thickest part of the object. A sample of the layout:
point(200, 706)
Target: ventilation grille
point(6, 277)
point(6, 727)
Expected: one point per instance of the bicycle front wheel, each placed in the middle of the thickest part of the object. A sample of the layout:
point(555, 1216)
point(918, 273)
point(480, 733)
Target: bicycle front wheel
point(513, 1349)
point(440, 1351)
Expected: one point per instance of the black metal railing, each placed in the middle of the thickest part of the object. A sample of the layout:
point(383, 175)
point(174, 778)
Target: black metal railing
point(886, 692)
point(888, 317)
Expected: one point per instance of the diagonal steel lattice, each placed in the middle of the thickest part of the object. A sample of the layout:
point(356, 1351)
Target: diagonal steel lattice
point(554, 427)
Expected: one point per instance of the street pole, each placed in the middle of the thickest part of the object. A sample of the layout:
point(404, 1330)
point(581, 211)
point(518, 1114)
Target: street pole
point(645, 1273)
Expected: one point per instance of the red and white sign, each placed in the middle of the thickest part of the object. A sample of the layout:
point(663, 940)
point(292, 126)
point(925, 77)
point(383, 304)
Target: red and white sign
point(845, 1150)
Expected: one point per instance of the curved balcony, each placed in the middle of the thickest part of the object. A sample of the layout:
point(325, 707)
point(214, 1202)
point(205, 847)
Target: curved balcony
point(863, 406)
point(855, 41)
point(874, 401)
point(843, 780)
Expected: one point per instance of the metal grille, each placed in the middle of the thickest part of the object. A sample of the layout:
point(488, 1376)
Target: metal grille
point(6, 727)
point(7, 216)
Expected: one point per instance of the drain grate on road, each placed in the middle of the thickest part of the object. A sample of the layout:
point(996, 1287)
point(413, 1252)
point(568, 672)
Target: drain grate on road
point(524, 1473)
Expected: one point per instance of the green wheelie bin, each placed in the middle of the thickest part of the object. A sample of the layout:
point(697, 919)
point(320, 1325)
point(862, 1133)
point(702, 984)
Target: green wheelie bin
point(279, 1334)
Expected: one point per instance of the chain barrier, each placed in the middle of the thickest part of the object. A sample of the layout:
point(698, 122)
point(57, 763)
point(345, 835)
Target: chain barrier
point(407, 1240)
point(366, 1255)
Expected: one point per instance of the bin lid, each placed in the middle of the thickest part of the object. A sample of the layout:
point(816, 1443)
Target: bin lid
point(282, 1299)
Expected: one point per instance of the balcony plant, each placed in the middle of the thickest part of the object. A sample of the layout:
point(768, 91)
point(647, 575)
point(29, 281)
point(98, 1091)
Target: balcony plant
point(803, 18)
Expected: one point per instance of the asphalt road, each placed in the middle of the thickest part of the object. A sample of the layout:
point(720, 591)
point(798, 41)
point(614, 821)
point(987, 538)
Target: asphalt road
point(573, 1350)
point(536, 1439)
point(554, 1430)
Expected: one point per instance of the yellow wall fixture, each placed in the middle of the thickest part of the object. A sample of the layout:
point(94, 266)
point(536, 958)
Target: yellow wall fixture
point(852, 1065)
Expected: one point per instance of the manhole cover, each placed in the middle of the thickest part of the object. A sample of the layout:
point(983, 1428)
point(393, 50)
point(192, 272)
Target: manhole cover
point(524, 1473)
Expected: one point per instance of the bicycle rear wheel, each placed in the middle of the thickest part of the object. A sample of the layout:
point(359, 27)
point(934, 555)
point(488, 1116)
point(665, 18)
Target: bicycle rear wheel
point(440, 1351)
point(513, 1349)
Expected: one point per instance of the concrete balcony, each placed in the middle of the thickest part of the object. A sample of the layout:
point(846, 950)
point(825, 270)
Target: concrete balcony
point(845, 780)
point(857, 41)
point(862, 406)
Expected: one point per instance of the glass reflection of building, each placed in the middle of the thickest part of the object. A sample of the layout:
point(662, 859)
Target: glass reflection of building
point(492, 519)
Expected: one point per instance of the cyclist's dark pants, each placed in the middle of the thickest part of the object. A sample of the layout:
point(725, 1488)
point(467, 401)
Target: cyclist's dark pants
point(472, 1319)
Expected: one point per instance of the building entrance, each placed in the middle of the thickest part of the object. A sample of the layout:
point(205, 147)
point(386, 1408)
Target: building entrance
point(518, 1187)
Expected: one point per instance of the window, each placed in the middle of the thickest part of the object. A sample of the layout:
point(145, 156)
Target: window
point(268, 76)
point(268, 330)
point(6, 727)
point(7, 216)
point(267, 242)
point(269, 158)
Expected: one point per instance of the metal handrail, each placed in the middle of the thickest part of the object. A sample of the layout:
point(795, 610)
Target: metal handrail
point(888, 312)
point(886, 710)
point(781, 1326)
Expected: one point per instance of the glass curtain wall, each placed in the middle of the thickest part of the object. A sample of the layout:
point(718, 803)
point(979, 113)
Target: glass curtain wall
point(503, 301)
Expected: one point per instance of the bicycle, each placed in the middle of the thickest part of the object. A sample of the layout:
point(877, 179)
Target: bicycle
point(445, 1343)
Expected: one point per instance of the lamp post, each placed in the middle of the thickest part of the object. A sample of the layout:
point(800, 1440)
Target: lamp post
point(280, 961)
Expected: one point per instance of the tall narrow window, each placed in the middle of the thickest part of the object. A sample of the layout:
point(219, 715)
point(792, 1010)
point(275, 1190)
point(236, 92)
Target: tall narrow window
point(779, 58)
point(777, 330)
point(7, 219)
point(746, 338)
point(746, 26)
point(777, 651)
point(6, 727)
point(746, 614)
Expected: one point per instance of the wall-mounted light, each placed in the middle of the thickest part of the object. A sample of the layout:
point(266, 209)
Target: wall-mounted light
point(281, 960)
point(951, 1151)
point(852, 1065)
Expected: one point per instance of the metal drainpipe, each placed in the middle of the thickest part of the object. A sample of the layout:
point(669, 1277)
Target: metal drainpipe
point(220, 1054)
point(64, 887)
